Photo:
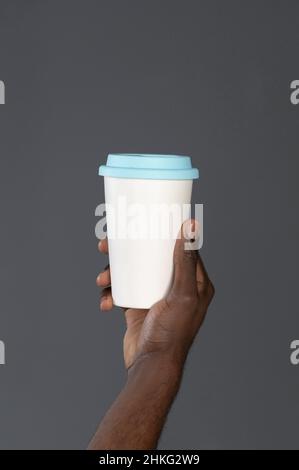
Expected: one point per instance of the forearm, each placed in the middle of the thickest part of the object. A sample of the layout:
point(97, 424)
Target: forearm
point(136, 418)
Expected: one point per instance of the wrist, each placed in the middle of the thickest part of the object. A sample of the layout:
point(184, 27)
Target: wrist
point(157, 367)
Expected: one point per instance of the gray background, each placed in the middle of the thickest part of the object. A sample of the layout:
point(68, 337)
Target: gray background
point(205, 78)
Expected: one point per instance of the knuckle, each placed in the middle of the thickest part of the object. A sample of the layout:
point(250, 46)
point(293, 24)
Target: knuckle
point(190, 255)
point(189, 299)
point(207, 288)
point(210, 290)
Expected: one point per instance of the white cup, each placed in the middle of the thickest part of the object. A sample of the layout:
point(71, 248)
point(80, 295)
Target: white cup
point(147, 199)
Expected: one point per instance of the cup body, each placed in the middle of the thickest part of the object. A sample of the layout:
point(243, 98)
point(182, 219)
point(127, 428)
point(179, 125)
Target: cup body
point(140, 245)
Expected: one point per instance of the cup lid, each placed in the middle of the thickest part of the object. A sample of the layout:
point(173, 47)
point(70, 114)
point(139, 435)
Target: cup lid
point(149, 166)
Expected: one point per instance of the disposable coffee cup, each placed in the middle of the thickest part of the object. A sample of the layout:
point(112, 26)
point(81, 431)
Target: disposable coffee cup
point(147, 198)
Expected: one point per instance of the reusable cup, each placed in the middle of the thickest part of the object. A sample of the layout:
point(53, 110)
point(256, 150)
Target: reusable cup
point(147, 199)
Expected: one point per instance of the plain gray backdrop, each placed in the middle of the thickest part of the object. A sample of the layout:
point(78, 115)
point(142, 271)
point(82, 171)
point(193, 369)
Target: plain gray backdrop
point(208, 79)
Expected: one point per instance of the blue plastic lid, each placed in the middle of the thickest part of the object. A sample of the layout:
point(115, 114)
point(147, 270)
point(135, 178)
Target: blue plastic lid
point(149, 166)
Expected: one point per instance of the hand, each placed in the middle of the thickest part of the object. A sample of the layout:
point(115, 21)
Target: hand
point(169, 327)
point(155, 347)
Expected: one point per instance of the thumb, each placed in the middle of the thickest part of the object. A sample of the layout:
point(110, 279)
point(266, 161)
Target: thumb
point(185, 259)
